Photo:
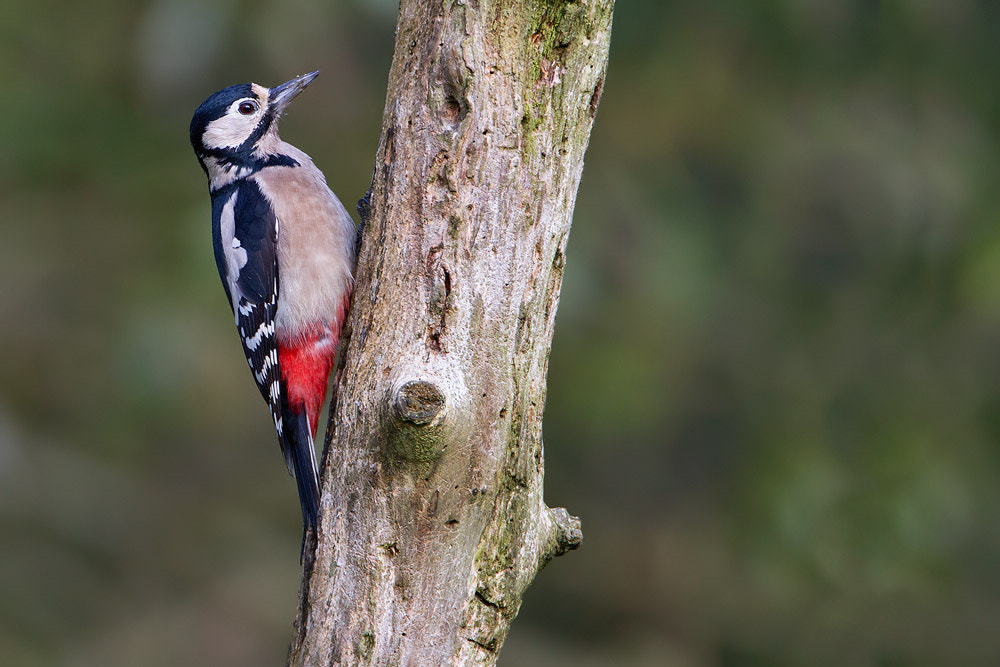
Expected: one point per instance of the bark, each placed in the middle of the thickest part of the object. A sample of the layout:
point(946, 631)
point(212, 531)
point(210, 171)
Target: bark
point(433, 522)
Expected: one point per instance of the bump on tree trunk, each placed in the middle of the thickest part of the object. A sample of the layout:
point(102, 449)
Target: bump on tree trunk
point(432, 521)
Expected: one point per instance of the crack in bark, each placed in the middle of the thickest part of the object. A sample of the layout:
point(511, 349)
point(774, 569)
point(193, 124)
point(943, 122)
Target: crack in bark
point(489, 603)
point(491, 647)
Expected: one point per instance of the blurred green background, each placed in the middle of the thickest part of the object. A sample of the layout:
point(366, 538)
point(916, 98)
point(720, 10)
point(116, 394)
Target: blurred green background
point(775, 383)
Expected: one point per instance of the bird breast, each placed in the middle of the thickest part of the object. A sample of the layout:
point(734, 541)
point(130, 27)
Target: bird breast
point(315, 247)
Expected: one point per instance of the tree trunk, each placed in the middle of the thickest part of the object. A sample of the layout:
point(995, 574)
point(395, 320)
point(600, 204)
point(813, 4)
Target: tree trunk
point(433, 522)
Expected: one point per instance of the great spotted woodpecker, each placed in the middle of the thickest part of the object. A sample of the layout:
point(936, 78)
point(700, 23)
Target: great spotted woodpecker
point(285, 249)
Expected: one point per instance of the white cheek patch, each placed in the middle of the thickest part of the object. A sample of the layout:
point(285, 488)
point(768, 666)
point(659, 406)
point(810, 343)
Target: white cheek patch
point(229, 131)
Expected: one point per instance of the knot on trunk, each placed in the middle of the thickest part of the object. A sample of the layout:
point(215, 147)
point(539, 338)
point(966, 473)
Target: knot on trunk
point(419, 402)
point(421, 416)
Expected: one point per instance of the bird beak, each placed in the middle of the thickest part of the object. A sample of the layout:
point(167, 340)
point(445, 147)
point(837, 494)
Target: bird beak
point(280, 96)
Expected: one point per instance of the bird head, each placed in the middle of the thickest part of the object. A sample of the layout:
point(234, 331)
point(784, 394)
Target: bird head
point(237, 127)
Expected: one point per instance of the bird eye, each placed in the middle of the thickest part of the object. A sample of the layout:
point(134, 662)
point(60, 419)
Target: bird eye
point(247, 108)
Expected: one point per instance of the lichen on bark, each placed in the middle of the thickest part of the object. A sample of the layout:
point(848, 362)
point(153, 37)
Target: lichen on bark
point(433, 522)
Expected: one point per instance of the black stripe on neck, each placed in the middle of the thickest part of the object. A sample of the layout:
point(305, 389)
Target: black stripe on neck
point(233, 161)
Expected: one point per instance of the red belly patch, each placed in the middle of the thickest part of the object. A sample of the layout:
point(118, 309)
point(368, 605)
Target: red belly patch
point(305, 368)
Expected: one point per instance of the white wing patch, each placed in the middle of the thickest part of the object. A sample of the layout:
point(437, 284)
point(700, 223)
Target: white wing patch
point(236, 256)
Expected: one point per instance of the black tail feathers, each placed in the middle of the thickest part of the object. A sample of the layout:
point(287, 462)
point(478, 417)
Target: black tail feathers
point(300, 456)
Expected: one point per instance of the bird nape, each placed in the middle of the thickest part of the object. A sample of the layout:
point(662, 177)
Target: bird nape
point(285, 249)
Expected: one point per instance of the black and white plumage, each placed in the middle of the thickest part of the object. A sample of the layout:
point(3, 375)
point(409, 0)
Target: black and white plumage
point(245, 239)
point(284, 247)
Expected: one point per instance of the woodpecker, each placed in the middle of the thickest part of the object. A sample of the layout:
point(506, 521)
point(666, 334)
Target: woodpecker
point(285, 249)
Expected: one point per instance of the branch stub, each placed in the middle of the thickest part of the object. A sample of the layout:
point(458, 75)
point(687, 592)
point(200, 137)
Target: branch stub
point(419, 402)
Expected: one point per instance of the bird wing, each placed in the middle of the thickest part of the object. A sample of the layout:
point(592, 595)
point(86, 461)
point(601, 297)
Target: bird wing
point(245, 235)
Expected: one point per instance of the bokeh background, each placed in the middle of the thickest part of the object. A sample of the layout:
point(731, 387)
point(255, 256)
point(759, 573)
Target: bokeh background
point(775, 383)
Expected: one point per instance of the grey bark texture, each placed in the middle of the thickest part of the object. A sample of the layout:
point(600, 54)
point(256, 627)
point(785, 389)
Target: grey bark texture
point(433, 522)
